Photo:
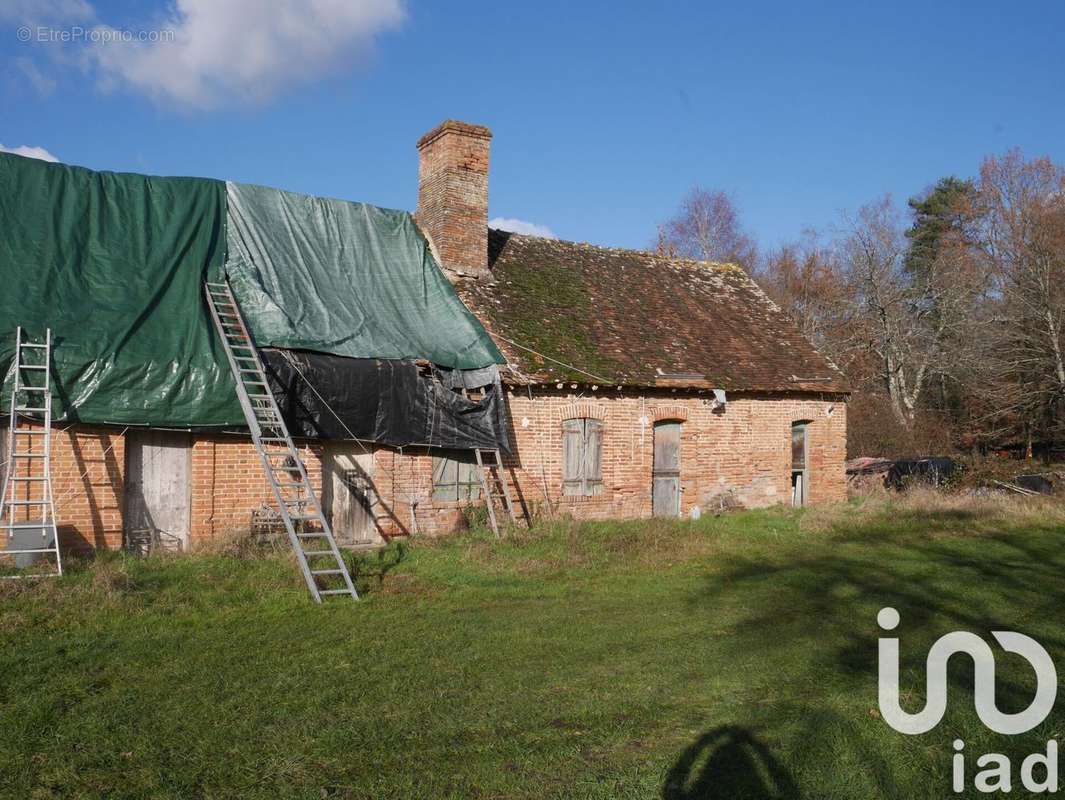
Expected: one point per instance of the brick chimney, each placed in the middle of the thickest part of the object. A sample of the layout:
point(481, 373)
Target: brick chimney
point(453, 195)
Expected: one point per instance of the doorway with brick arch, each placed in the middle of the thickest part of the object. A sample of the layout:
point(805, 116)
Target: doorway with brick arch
point(665, 490)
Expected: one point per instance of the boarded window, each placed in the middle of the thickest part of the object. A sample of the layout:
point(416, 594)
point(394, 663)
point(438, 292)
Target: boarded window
point(455, 476)
point(582, 457)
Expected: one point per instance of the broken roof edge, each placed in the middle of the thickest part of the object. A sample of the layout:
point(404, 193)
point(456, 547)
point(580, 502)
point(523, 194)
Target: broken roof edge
point(513, 381)
point(510, 375)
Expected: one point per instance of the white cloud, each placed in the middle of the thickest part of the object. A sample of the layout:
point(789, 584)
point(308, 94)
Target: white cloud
point(521, 226)
point(29, 152)
point(208, 53)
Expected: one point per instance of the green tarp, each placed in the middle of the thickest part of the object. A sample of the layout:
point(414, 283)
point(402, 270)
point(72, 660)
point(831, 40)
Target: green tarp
point(114, 264)
point(345, 278)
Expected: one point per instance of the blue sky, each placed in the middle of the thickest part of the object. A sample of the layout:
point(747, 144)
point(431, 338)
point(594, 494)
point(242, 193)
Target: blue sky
point(604, 114)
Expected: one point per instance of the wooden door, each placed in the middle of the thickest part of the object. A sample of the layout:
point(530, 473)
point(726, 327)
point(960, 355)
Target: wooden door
point(348, 494)
point(799, 464)
point(665, 493)
point(158, 491)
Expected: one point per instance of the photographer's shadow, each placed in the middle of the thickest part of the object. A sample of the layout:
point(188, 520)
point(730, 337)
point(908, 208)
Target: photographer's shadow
point(728, 762)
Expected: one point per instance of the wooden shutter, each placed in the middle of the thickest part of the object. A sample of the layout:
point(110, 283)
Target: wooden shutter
point(572, 456)
point(468, 478)
point(593, 457)
point(445, 478)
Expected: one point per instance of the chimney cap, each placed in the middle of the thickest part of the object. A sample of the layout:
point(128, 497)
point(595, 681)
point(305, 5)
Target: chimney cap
point(454, 126)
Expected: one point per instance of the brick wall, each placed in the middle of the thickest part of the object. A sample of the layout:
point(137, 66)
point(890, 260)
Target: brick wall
point(88, 477)
point(88, 480)
point(228, 483)
point(453, 194)
point(743, 449)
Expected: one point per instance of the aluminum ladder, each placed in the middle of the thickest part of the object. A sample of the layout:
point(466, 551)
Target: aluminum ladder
point(28, 516)
point(494, 486)
point(316, 550)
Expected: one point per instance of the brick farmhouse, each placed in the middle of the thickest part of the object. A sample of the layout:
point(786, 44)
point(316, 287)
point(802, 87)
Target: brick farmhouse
point(636, 385)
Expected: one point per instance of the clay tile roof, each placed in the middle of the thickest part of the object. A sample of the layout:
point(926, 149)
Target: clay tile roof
point(636, 318)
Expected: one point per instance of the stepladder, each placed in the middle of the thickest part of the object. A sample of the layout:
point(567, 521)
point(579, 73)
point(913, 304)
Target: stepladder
point(30, 539)
point(495, 489)
point(320, 560)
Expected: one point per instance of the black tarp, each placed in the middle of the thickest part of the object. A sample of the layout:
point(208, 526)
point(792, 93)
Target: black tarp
point(1035, 483)
point(380, 400)
point(933, 471)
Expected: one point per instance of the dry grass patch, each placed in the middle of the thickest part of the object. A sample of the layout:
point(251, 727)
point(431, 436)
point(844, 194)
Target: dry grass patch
point(935, 513)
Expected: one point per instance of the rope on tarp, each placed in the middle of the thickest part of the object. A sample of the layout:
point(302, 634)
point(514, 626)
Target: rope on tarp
point(292, 362)
point(66, 497)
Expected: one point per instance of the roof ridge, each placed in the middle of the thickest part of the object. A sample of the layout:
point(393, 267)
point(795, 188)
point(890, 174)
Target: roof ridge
point(723, 266)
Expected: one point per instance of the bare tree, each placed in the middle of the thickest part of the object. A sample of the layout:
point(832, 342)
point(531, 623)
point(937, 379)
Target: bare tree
point(950, 325)
point(707, 228)
point(1022, 206)
point(805, 280)
point(908, 321)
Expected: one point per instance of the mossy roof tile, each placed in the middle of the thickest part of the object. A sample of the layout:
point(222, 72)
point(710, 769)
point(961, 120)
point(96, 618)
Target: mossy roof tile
point(637, 318)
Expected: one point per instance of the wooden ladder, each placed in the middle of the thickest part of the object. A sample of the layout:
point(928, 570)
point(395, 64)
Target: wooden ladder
point(494, 486)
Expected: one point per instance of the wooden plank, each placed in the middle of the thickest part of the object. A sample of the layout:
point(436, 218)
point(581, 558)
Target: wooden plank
point(665, 496)
point(158, 489)
point(348, 494)
point(665, 489)
point(573, 456)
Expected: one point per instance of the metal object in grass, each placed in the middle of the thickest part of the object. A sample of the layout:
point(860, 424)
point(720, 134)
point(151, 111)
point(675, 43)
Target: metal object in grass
point(28, 515)
point(320, 560)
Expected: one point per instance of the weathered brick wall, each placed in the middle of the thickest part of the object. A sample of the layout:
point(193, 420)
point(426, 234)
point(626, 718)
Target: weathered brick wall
point(228, 483)
point(744, 448)
point(88, 480)
point(453, 194)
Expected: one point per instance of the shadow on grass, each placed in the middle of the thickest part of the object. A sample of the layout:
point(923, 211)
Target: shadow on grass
point(728, 762)
point(813, 617)
point(368, 570)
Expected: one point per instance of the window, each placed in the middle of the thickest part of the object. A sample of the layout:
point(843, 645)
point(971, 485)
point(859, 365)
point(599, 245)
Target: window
point(799, 470)
point(455, 476)
point(582, 457)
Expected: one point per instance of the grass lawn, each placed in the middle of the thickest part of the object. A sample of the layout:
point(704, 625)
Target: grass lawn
point(731, 657)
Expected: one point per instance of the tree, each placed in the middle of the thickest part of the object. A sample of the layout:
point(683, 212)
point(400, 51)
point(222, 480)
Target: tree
point(804, 279)
point(911, 321)
point(707, 228)
point(941, 218)
point(943, 264)
point(1022, 212)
